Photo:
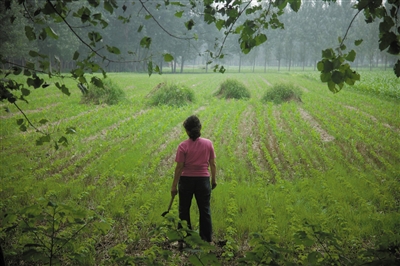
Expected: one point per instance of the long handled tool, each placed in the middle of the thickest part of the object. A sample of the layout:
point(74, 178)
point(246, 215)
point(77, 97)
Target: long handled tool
point(169, 207)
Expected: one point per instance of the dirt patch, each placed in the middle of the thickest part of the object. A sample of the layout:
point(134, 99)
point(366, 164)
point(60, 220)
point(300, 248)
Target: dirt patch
point(41, 109)
point(325, 137)
point(373, 118)
point(266, 81)
point(103, 132)
point(305, 89)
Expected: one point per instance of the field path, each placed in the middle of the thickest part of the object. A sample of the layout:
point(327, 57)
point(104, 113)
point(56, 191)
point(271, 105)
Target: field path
point(325, 136)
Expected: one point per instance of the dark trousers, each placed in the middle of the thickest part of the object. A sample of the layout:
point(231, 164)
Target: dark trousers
point(199, 187)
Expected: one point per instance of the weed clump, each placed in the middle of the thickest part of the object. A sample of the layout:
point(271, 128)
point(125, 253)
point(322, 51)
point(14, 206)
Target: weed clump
point(232, 88)
point(282, 93)
point(109, 94)
point(171, 94)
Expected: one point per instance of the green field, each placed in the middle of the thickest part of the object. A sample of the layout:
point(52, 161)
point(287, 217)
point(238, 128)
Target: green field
point(317, 178)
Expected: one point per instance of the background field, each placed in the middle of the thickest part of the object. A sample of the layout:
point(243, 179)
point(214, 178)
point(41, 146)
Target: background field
point(331, 160)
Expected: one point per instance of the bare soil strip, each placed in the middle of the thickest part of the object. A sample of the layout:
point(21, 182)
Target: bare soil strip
point(274, 142)
point(266, 81)
point(103, 132)
point(305, 89)
point(34, 111)
point(325, 137)
point(373, 118)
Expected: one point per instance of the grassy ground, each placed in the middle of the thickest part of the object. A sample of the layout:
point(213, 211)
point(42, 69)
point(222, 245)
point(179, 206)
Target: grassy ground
point(330, 160)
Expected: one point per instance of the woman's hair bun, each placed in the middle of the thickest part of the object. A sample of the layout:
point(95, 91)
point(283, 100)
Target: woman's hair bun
point(193, 127)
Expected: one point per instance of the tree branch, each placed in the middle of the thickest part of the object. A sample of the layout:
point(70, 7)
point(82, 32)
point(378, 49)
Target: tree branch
point(88, 45)
point(158, 23)
point(230, 29)
point(348, 28)
point(29, 121)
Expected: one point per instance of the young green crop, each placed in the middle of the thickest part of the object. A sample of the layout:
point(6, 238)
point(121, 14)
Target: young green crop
point(277, 177)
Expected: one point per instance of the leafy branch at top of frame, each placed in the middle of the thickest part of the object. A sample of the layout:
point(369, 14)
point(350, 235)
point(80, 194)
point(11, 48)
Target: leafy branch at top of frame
point(334, 67)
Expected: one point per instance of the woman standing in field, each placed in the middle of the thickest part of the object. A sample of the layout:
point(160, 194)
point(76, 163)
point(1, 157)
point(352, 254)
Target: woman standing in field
point(193, 158)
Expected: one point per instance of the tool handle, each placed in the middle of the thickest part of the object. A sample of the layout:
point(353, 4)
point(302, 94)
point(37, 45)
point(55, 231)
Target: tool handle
point(170, 202)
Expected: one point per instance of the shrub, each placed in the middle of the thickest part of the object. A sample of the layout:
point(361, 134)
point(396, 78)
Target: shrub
point(171, 94)
point(282, 93)
point(110, 94)
point(232, 88)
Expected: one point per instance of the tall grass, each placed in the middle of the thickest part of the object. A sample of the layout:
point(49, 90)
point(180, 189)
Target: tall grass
point(280, 93)
point(171, 94)
point(232, 88)
point(111, 93)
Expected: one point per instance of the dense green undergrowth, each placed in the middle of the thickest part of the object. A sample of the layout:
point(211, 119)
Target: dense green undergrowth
point(233, 89)
point(110, 93)
point(282, 93)
point(171, 94)
point(309, 184)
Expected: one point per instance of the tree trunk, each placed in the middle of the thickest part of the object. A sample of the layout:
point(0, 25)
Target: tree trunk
point(240, 62)
point(265, 65)
point(182, 63)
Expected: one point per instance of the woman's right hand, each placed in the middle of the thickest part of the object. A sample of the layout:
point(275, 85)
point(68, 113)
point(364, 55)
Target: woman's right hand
point(174, 192)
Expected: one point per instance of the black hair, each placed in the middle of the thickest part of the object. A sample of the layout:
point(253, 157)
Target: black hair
point(193, 126)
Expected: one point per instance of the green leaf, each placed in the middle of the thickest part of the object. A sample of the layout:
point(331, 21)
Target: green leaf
point(337, 77)
point(40, 141)
point(103, 226)
point(113, 50)
point(313, 258)
point(358, 42)
point(25, 92)
point(332, 86)
point(173, 236)
point(140, 28)
point(386, 39)
point(76, 55)
point(63, 140)
point(295, 5)
point(147, 17)
point(351, 56)
point(50, 32)
point(20, 121)
point(178, 14)
point(150, 68)
point(29, 33)
point(320, 66)
point(328, 53)
point(97, 82)
point(168, 58)
point(108, 6)
point(195, 261)
point(16, 70)
point(145, 42)
point(189, 24)
point(396, 68)
point(23, 128)
point(220, 23)
point(43, 121)
point(325, 77)
point(177, 4)
point(260, 38)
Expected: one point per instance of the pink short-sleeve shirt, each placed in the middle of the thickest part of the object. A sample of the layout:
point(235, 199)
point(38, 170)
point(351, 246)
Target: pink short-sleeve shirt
point(196, 156)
